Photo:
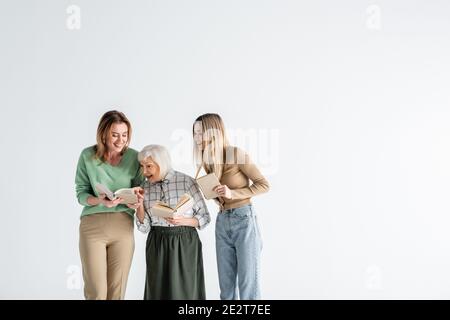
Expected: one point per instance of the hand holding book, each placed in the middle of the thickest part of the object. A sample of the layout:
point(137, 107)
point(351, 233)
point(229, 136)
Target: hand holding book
point(183, 221)
point(104, 200)
point(139, 192)
point(223, 191)
point(175, 215)
point(163, 210)
point(128, 195)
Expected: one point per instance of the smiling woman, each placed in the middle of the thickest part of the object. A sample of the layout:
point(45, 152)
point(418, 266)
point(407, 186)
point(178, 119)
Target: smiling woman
point(173, 250)
point(106, 227)
point(113, 136)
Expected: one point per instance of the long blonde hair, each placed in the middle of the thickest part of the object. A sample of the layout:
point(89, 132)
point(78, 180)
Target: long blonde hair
point(212, 154)
point(103, 129)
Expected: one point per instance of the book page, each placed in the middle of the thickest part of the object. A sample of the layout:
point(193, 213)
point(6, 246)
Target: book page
point(162, 211)
point(186, 206)
point(183, 199)
point(163, 204)
point(101, 189)
point(128, 195)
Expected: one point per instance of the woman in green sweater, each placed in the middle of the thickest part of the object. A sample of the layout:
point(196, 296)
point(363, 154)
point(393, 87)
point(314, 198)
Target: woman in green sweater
point(106, 227)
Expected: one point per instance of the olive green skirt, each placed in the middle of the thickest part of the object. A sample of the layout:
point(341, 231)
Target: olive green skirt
point(174, 264)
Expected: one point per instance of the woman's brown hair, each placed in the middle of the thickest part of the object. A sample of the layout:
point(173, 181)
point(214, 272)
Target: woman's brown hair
point(103, 129)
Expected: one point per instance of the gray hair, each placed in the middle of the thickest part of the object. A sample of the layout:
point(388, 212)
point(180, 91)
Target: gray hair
point(160, 155)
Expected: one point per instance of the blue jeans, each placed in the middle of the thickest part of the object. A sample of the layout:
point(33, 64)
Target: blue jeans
point(238, 249)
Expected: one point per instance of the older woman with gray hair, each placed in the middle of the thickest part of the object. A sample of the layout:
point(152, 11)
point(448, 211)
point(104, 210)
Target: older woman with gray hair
point(174, 250)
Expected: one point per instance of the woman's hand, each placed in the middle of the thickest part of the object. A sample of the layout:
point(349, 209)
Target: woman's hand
point(109, 203)
point(223, 191)
point(183, 221)
point(140, 195)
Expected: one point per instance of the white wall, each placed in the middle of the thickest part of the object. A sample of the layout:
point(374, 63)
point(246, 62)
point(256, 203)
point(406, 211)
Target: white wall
point(348, 100)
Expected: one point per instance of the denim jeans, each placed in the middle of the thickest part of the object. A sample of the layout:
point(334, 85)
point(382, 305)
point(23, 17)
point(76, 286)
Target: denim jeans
point(238, 249)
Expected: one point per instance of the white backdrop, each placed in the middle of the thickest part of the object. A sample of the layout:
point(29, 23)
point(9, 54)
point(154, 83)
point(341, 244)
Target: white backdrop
point(343, 104)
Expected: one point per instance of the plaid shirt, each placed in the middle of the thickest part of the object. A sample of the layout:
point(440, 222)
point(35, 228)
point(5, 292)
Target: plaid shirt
point(170, 190)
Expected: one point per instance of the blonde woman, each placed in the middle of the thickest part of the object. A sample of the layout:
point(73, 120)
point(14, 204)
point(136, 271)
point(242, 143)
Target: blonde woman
point(106, 227)
point(174, 249)
point(238, 240)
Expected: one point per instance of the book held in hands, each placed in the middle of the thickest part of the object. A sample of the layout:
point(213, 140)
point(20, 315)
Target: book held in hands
point(163, 210)
point(127, 194)
point(207, 184)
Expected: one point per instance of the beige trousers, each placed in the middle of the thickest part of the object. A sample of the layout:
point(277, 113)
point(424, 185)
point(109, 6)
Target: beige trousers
point(106, 251)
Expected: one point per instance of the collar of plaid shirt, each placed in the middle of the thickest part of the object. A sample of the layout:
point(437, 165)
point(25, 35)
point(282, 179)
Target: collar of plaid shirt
point(167, 178)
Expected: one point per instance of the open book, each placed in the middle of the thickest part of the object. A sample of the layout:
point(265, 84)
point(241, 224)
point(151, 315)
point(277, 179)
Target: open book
point(161, 209)
point(127, 194)
point(207, 184)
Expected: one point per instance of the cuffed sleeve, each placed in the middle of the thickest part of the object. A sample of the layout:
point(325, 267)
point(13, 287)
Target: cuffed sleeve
point(145, 226)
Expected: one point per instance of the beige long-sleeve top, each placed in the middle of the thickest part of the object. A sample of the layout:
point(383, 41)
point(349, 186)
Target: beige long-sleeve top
point(237, 173)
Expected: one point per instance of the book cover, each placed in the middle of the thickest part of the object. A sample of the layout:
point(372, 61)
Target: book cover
point(207, 184)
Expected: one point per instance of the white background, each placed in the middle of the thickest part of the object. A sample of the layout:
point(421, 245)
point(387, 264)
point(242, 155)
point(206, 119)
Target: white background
point(354, 96)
